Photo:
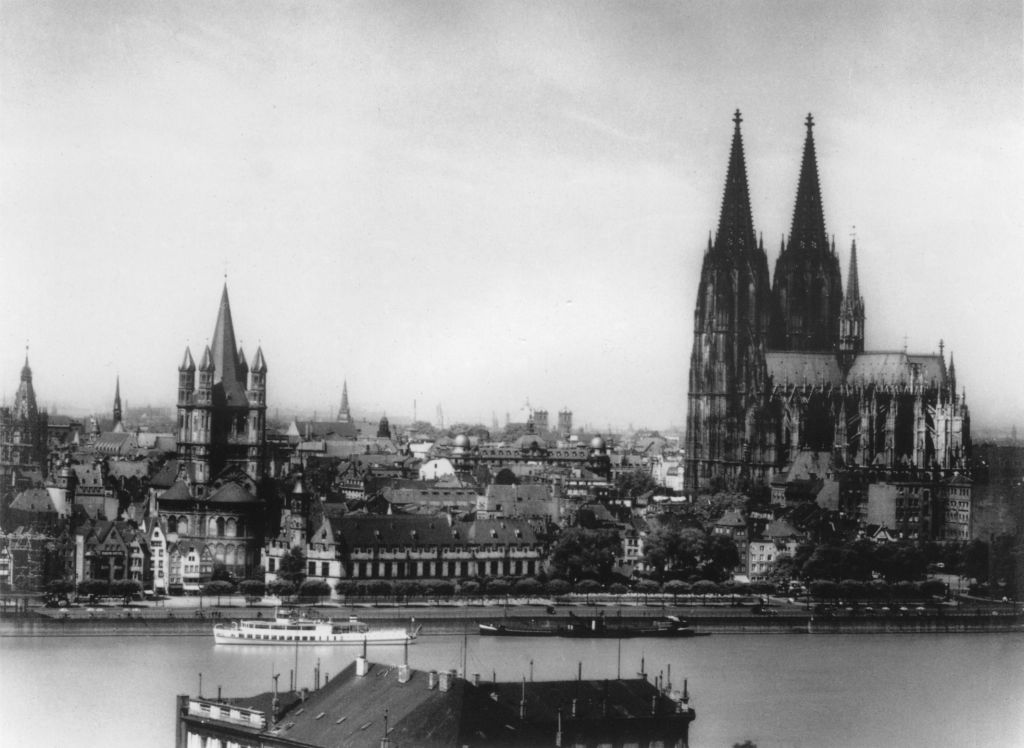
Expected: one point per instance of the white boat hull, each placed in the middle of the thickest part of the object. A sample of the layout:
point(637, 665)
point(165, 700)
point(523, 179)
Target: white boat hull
point(292, 628)
point(396, 636)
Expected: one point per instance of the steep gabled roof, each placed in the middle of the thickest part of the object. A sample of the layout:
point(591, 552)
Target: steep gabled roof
point(798, 367)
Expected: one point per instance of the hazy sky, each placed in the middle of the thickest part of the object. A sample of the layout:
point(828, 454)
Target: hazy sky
point(472, 204)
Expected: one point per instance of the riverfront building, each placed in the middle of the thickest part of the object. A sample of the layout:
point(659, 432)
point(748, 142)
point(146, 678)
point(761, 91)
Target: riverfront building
point(370, 705)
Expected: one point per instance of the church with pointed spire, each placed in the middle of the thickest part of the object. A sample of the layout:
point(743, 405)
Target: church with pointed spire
point(23, 441)
point(781, 372)
point(222, 411)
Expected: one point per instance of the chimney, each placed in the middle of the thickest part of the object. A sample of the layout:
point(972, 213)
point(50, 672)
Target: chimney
point(574, 707)
point(431, 680)
point(522, 702)
point(476, 679)
point(403, 673)
point(654, 703)
point(303, 695)
point(362, 666)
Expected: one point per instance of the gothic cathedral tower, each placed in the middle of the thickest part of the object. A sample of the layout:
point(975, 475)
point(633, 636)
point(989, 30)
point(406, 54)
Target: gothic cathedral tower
point(808, 289)
point(728, 376)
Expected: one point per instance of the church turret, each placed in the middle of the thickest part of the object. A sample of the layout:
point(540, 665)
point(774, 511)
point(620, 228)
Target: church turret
point(257, 416)
point(727, 365)
point(851, 316)
point(206, 373)
point(808, 290)
point(243, 367)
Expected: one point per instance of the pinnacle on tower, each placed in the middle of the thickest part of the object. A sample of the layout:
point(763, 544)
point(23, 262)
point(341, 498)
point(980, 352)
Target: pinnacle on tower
point(735, 226)
point(206, 363)
point(259, 364)
point(187, 364)
point(808, 230)
point(852, 281)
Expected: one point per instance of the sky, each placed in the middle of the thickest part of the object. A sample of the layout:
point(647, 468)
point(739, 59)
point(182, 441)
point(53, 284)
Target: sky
point(475, 205)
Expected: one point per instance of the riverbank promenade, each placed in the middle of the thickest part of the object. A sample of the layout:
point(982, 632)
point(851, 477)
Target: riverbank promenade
point(195, 615)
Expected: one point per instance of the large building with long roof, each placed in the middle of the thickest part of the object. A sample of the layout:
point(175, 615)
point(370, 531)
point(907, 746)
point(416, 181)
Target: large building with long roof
point(781, 369)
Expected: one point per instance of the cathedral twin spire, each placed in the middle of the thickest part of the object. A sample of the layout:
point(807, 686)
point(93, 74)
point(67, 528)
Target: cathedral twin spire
point(735, 225)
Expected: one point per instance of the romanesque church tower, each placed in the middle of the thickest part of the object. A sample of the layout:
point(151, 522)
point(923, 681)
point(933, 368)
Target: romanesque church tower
point(221, 420)
point(808, 289)
point(728, 379)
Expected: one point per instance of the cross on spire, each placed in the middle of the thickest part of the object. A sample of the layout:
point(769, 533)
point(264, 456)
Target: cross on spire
point(737, 118)
point(809, 121)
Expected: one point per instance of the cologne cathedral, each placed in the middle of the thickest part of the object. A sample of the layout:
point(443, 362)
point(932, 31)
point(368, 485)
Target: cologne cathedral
point(779, 368)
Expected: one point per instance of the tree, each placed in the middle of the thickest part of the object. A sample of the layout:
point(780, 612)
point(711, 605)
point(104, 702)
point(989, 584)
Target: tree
point(58, 589)
point(469, 588)
point(974, 561)
point(252, 589)
point(97, 587)
point(315, 588)
point(579, 553)
point(527, 587)
point(293, 566)
point(217, 589)
point(125, 588)
point(719, 556)
point(281, 588)
point(676, 587)
point(704, 587)
point(825, 589)
point(782, 570)
point(617, 588)
point(673, 548)
point(588, 587)
point(557, 587)
point(498, 587)
point(852, 589)
point(634, 483)
point(346, 587)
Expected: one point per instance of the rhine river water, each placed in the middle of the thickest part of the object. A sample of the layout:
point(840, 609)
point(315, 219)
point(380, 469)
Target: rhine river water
point(776, 690)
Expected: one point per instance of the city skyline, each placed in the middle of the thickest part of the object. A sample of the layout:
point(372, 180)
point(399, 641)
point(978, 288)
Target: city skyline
point(473, 205)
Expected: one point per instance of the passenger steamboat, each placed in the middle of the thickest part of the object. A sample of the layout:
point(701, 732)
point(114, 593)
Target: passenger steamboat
point(296, 627)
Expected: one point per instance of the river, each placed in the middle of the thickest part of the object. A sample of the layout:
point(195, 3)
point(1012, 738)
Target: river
point(776, 690)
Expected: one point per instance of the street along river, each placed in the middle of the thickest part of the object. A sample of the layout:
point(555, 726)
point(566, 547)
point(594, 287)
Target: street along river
point(836, 690)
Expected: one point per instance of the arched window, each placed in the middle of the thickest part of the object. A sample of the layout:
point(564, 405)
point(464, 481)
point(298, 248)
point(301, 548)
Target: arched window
point(183, 525)
point(220, 527)
point(231, 527)
point(172, 524)
point(211, 527)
